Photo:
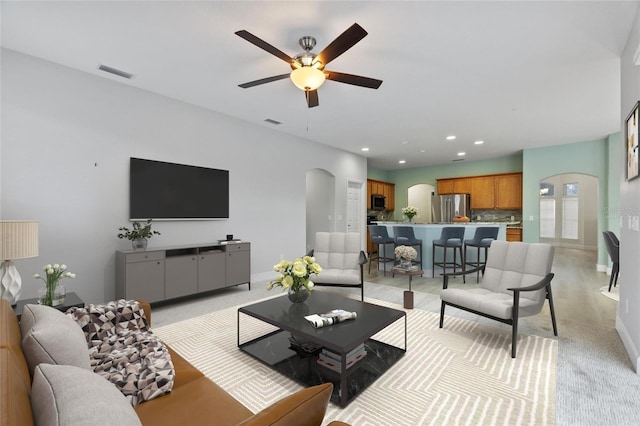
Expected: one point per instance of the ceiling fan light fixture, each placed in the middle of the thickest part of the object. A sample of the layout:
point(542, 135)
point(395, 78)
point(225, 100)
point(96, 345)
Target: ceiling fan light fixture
point(307, 78)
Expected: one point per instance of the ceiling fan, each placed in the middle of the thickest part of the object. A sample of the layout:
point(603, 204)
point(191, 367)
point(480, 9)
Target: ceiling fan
point(308, 68)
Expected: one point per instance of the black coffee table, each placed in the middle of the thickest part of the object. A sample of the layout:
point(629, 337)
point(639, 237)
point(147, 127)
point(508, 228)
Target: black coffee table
point(275, 350)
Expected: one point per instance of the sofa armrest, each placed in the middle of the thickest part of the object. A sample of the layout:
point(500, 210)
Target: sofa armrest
point(305, 408)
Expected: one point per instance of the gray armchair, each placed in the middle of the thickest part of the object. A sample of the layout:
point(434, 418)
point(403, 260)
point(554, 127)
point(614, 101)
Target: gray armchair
point(341, 259)
point(516, 282)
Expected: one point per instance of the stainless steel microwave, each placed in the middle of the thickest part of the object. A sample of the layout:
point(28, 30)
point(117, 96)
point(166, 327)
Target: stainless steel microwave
point(378, 202)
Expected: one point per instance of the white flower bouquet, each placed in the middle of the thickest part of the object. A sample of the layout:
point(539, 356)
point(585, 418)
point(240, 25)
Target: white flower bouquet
point(409, 212)
point(405, 252)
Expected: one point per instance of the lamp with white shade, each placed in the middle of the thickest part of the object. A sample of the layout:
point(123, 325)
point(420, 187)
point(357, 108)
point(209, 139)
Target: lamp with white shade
point(18, 240)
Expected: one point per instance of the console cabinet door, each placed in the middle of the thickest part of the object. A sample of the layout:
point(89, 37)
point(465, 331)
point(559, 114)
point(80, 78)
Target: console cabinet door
point(212, 271)
point(238, 264)
point(144, 279)
point(181, 274)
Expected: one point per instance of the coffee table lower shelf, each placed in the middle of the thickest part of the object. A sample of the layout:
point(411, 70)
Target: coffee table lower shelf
point(274, 350)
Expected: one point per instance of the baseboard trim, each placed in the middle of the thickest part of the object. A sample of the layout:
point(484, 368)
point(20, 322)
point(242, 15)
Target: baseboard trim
point(632, 351)
point(603, 268)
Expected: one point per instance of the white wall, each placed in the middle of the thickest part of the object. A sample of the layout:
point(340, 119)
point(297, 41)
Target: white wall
point(66, 141)
point(628, 318)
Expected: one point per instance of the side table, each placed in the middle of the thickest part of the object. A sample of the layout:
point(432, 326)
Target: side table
point(70, 300)
point(408, 295)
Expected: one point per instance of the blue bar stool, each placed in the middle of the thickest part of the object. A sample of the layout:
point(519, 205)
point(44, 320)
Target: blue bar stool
point(379, 240)
point(450, 237)
point(482, 238)
point(404, 236)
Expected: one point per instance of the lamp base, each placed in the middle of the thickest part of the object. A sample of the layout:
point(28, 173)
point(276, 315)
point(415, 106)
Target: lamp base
point(10, 282)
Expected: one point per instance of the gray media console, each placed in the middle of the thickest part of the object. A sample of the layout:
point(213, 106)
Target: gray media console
point(171, 272)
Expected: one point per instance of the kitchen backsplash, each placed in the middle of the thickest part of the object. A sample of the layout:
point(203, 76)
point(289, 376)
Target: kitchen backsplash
point(496, 215)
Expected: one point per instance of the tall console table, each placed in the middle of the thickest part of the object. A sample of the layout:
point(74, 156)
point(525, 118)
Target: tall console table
point(171, 272)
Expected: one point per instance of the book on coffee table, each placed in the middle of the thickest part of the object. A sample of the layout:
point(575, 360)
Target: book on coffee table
point(332, 317)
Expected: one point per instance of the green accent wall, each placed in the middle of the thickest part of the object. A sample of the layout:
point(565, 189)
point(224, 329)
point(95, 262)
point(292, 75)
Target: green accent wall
point(408, 177)
point(589, 158)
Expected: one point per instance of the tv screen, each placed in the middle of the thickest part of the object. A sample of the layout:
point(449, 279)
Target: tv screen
point(160, 190)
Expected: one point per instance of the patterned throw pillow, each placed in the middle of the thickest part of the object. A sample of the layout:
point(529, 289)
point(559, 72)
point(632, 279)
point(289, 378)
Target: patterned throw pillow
point(123, 350)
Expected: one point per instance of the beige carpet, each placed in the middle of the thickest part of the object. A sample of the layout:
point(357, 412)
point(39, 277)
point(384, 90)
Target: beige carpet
point(462, 374)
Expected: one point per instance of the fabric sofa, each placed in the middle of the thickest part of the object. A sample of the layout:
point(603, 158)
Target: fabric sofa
point(38, 389)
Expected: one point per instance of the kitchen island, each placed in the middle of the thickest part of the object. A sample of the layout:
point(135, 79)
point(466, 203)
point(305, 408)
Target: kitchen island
point(427, 232)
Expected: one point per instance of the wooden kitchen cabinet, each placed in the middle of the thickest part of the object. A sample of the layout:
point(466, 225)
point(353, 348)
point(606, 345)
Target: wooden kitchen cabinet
point(387, 189)
point(508, 191)
point(454, 186)
point(514, 234)
point(462, 186)
point(445, 186)
point(483, 192)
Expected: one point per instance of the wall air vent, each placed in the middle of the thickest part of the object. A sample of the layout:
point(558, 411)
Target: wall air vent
point(458, 159)
point(270, 121)
point(115, 71)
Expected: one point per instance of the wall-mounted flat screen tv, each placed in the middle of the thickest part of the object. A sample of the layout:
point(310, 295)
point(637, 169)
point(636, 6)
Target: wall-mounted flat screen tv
point(160, 190)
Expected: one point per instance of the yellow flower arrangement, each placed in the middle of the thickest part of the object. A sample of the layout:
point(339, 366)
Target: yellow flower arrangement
point(295, 274)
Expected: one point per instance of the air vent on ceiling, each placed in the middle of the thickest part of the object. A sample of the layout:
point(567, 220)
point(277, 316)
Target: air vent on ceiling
point(270, 121)
point(115, 71)
point(458, 159)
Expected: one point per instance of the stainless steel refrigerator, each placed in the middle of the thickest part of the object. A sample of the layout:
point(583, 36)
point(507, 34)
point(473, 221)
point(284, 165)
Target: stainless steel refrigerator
point(445, 207)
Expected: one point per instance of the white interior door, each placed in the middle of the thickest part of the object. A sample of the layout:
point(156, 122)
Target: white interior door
point(354, 196)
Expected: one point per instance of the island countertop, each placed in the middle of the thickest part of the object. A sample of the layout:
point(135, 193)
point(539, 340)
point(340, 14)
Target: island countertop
point(427, 232)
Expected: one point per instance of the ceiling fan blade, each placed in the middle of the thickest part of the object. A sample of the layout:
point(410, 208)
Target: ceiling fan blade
point(263, 81)
point(356, 80)
point(265, 46)
point(312, 98)
point(342, 43)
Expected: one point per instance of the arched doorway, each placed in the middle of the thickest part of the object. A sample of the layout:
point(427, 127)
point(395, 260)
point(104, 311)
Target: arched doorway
point(419, 196)
point(569, 211)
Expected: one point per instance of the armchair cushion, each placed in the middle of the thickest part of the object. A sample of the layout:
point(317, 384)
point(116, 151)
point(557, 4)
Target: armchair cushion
point(339, 255)
point(509, 265)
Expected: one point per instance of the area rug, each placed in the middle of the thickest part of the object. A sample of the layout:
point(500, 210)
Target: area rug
point(461, 374)
point(613, 294)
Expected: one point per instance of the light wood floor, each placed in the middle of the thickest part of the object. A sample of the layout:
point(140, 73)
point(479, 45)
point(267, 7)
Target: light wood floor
point(576, 288)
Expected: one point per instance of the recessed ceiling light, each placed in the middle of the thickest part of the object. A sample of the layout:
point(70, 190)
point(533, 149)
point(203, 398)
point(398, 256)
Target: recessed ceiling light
point(365, 149)
point(450, 137)
point(478, 142)
point(460, 154)
point(402, 161)
point(423, 150)
point(404, 142)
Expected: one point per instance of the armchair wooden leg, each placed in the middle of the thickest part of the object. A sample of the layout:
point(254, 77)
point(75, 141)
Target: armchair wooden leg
point(514, 323)
point(442, 314)
point(514, 336)
point(553, 311)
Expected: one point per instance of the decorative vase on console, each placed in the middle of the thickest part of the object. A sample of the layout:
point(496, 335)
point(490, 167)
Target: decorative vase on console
point(294, 277)
point(138, 235)
point(53, 294)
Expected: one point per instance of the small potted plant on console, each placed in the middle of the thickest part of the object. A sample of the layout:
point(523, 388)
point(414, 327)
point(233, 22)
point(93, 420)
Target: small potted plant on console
point(138, 235)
